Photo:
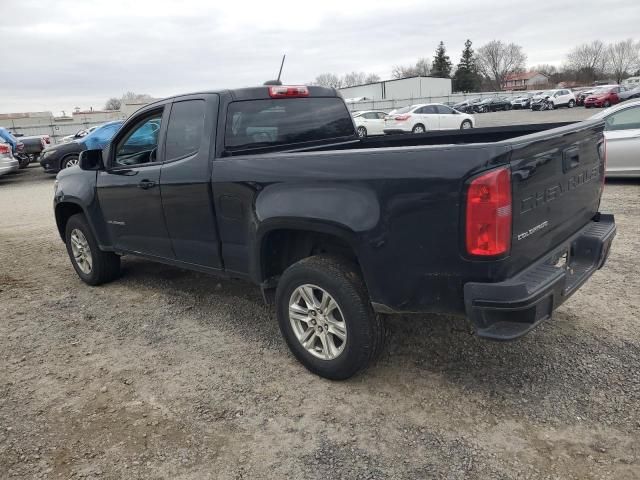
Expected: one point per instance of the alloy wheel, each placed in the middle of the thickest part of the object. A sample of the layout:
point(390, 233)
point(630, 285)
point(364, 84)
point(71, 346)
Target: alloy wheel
point(81, 251)
point(317, 322)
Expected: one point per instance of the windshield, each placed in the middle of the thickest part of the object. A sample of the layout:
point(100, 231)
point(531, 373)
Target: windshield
point(599, 91)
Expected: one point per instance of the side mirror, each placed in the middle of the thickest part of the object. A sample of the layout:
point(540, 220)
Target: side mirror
point(91, 160)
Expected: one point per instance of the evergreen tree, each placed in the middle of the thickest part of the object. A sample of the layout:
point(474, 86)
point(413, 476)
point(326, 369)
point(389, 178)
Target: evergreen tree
point(466, 78)
point(441, 66)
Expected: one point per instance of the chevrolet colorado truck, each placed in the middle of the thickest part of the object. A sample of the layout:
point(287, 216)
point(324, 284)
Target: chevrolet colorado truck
point(273, 185)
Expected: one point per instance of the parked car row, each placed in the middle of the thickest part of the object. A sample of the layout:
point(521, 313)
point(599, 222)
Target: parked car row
point(412, 119)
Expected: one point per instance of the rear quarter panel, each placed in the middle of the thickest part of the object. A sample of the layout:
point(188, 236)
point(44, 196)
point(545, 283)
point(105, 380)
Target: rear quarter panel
point(399, 208)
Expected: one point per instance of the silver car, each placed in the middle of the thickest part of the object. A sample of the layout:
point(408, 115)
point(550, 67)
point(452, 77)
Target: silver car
point(8, 164)
point(622, 131)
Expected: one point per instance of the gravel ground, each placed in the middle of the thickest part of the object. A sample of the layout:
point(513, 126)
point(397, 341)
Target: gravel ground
point(168, 374)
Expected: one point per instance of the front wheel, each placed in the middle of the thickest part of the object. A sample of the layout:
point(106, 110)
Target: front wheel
point(92, 265)
point(466, 124)
point(606, 104)
point(325, 316)
point(70, 161)
point(362, 132)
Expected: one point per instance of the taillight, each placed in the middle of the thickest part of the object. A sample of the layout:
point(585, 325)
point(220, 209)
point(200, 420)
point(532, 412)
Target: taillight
point(4, 148)
point(488, 215)
point(402, 118)
point(280, 91)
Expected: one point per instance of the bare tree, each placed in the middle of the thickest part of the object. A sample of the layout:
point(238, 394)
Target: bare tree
point(588, 59)
point(421, 68)
point(328, 80)
point(354, 78)
point(372, 78)
point(545, 69)
point(497, 59)
point(132, 97)
point(113, 104)
point(622, 58)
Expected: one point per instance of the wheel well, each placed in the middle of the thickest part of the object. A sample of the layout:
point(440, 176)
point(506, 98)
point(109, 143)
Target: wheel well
point(283, 248)
point(64, 212)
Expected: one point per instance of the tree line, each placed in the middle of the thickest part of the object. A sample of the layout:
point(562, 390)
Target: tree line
point(489, 67)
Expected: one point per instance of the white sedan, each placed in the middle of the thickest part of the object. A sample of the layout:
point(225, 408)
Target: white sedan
point(426, 117)
point(622, 132)
point(369, 122)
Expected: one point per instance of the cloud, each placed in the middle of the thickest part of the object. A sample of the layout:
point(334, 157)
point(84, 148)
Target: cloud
point(67, 53)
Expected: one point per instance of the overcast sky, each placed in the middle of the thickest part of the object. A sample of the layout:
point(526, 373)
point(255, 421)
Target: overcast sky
point(58, 54)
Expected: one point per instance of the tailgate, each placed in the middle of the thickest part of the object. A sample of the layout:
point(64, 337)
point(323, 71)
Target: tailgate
point(556, 186)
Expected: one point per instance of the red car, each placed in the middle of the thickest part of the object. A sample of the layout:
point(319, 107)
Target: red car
point(603, 97)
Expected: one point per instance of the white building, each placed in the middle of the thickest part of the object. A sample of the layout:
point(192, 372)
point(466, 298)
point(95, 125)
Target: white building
point(401, 89)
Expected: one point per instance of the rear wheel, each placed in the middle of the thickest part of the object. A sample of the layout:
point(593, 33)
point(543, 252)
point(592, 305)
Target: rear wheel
point(325, 316)
point(419, 128)
point(362, 132)
point(572, 103)
point(92, 265)
point(466, 124)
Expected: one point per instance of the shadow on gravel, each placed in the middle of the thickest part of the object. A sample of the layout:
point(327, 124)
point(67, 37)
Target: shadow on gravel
point(557, 369)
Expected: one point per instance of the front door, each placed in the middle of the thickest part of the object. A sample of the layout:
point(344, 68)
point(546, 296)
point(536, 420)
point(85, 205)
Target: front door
point(449, 119)
point(129, 188)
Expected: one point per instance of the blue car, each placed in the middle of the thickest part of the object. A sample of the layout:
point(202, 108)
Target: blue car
point(8, 138)
point(65, 155)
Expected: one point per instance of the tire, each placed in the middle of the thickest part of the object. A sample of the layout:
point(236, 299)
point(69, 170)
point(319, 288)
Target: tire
point(23, 161)
point(571, 104)
point(362, 132)
point(70, 161)
point(104, 266)
point(466, 124)
point(419, 128)
point(606, 104)
point(364, 331)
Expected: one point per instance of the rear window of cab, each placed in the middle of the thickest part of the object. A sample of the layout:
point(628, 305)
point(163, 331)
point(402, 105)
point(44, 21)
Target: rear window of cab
point(287, 121)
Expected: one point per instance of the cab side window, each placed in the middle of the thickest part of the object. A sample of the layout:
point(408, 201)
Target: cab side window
point(139, 145)
point(185, 129)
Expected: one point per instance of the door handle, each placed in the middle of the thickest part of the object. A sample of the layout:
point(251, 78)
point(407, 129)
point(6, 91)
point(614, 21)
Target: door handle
point(146, 184)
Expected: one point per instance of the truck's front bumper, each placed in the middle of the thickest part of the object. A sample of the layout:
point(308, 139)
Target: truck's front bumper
point(509, 309)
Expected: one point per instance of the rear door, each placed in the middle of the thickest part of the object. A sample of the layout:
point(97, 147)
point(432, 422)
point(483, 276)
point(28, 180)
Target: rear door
point(185, 182)
point(557, 181)
point(429, 117)
point(622, 130)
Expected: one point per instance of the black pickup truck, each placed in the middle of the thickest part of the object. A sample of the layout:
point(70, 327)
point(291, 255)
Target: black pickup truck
point(272, 184)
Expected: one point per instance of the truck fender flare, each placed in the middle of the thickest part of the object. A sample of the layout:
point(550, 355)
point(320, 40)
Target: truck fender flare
point(256, 251)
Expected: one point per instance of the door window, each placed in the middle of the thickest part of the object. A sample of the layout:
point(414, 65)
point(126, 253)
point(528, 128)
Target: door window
point(381, 115)
point(139, 145)
point(428, 110)
point(627, 119)
point(444, 110)
point(371, 116)
point(184, 132)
